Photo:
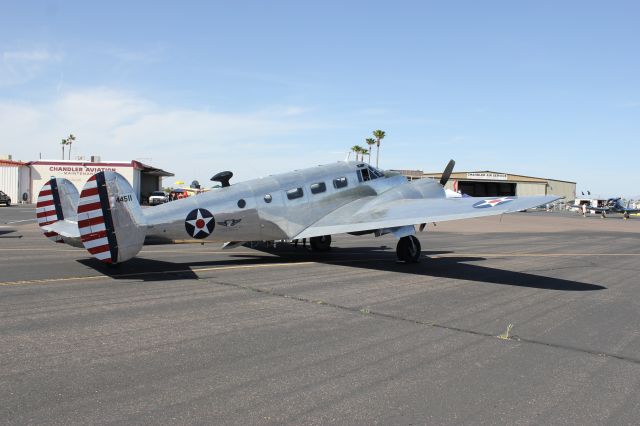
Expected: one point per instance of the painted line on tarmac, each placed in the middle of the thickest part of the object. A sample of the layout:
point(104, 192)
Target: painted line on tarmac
point(147, 251)
point(533, 254)
point(180, 271)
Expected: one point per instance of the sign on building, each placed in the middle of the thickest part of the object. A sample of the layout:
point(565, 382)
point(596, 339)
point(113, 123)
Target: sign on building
point(486, 176)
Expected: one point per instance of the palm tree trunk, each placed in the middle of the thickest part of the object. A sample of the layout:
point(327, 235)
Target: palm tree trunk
point(63, 152)
point(377, 153)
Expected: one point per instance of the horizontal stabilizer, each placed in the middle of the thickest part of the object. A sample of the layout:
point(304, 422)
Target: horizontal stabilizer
point(66, 228)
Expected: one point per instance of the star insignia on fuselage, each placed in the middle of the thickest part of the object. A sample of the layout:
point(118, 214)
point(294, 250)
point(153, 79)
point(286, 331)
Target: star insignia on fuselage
point(491, 202)
point(199, 223)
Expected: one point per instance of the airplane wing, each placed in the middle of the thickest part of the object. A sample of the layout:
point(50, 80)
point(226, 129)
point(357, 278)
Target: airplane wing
point(365, 214)
point(599, 209)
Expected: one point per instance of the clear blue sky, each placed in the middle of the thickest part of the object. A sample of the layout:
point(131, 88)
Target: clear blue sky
point(545, 88)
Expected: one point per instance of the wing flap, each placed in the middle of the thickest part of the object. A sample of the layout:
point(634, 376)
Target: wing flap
point(369, 215)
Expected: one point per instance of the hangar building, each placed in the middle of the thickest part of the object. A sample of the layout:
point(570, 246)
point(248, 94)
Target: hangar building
point(14, 179)
point(143, 178)
point(22, 180)
point(493, 184)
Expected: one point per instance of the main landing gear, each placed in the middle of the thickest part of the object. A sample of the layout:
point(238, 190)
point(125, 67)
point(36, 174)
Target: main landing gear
point(408, 249)
point(322, 243)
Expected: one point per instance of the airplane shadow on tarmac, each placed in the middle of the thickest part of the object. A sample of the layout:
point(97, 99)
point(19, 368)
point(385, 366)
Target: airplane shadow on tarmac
point(453, 267)
point(4, 232)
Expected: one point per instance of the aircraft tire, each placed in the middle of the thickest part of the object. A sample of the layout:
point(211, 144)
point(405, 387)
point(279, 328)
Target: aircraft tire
point(322, 243)
point(408, 249)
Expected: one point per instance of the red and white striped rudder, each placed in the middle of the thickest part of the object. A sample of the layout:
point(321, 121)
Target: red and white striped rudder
point(57, 200)
point(110, 220)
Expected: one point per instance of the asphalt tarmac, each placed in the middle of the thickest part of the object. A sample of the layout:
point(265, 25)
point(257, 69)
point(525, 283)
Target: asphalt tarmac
point(188, 334)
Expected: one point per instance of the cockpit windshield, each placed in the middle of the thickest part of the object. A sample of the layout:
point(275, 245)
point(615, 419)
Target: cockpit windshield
point(368, 173)
point(376, 172)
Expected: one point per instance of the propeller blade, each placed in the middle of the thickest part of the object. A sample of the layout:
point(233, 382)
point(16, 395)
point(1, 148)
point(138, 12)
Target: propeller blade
point(447, 173)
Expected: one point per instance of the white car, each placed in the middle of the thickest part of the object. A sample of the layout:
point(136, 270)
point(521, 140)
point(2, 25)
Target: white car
point(158, 197)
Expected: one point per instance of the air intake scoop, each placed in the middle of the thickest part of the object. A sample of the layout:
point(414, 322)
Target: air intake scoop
point(223, 178)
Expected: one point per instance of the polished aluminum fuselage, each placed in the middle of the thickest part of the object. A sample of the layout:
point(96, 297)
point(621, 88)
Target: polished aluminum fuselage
point(281, 218)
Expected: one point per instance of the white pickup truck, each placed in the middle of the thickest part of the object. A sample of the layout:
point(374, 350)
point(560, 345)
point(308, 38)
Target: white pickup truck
point(158, 197)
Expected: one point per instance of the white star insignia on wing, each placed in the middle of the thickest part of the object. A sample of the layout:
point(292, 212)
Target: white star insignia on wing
point(494, 202)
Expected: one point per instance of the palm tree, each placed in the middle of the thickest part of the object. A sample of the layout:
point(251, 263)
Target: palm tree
point(67, 141)
point(63, 143)
point(370, 142)
point(365, 152)
point(356, 149)
point(70, 140)
point(379, 135)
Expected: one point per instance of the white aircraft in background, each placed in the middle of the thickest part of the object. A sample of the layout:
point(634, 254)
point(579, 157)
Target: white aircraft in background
point(315, 203)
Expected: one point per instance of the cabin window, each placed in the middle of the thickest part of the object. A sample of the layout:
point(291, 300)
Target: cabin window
point(242, 203)
point(340, 182)
point(268, 198)
point(317, 188)
point(294, 193)
point(364, 173)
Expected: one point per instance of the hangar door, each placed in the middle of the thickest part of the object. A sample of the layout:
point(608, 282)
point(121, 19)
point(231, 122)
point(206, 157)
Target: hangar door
point(487, 189)
point(148, 184)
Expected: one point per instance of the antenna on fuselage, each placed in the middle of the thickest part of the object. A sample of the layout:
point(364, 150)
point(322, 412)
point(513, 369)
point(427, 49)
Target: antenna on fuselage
point(223, 178)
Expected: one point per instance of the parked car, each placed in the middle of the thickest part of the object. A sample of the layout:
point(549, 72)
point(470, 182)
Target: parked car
point(5, 199)
point(158, 197)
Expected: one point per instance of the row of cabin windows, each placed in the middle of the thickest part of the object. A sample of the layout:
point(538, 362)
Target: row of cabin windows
point(364, 175)
point(316, 188)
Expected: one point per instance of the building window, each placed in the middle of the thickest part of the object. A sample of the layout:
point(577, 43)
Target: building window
point(340, 182)
point(317, 188)
point(294, 193)
point(268, 198)
point(242, 203)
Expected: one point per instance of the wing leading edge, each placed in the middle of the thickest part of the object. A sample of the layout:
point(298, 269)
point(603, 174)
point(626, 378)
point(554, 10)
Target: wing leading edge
point(366, 214)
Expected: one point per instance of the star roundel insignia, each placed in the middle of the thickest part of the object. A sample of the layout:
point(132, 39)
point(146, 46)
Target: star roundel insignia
point(199, 223)
point(491, 203)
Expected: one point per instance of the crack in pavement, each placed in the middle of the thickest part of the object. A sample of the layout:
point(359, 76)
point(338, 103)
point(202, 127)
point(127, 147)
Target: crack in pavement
point(369, 312)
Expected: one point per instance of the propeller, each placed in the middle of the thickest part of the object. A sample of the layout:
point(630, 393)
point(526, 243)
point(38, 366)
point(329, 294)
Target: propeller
point(447, 173)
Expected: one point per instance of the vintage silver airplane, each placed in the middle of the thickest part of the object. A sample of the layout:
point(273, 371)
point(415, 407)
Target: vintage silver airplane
point(315, 203)
point(615, 205)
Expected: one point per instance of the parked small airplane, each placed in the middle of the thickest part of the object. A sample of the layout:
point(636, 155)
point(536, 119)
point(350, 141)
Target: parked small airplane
point(315, 203)
point(614, 205)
